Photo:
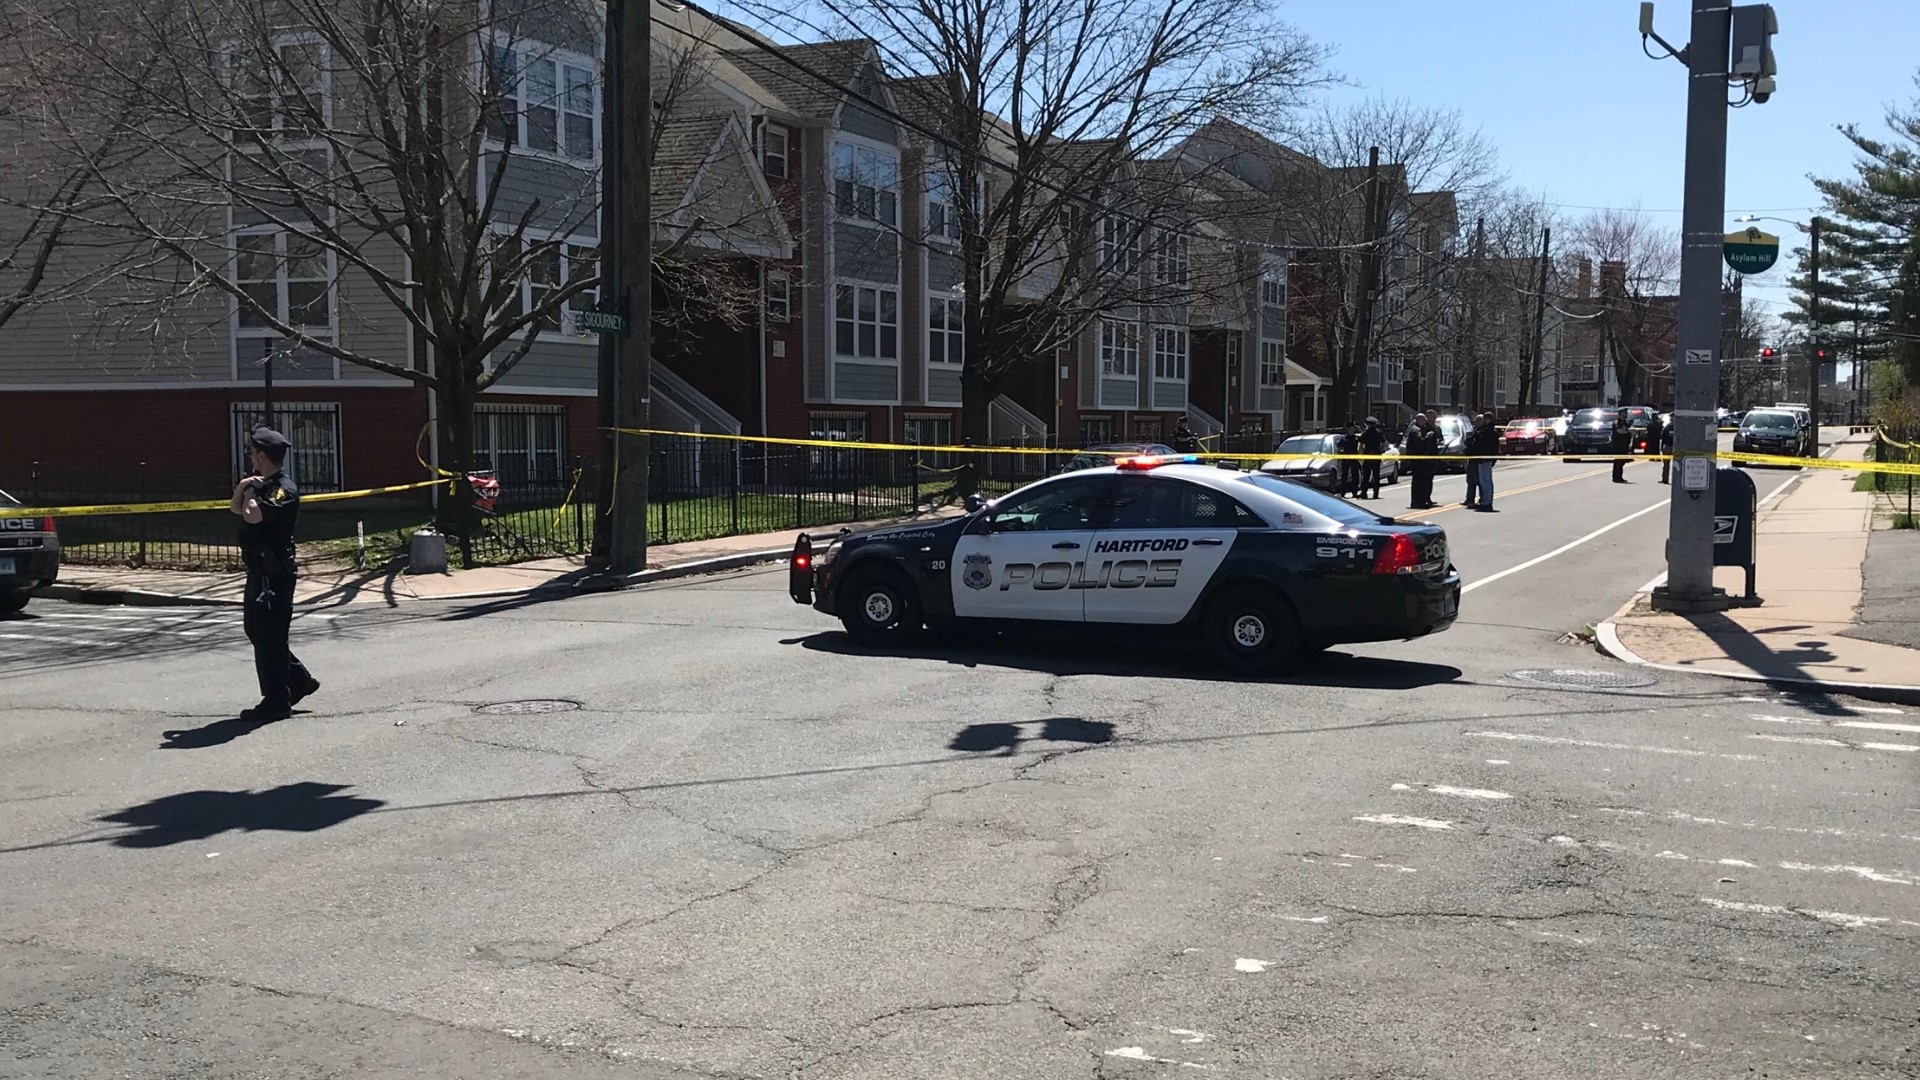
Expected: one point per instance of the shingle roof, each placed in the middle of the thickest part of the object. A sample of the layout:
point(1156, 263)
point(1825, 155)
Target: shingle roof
point(686, 144)
point(796, 82)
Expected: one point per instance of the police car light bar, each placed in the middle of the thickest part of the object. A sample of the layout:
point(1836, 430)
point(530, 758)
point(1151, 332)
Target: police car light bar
point(1152, 461)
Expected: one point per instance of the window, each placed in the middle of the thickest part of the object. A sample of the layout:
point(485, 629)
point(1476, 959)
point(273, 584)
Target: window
point(779, 298)
point(543, 103)
point(1144, 502)
point(1119, 349)
point(866, 184)
point(282, 89)
point(547, 268)
point(866, 322)
point(1394, 366)
point(773, 158)
point(1586, 371)
point(1273, 363)
point(840, 427)
point(1096, 430)
point(946, 330)
point(583, 261)
point(314, 430)
point(1500, 388)
point(521, 444)
point(286, 274)
point(1170, 353)
point(943, 216)
point(1061, 505)
point(1117, 241)
point(932, 431)
point(1273, 282)
point(543, 280)
point(1172, 260)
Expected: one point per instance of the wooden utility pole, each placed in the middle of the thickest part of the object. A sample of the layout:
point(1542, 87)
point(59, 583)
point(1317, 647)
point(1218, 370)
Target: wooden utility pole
point(1375, 232)
point(1530, 387)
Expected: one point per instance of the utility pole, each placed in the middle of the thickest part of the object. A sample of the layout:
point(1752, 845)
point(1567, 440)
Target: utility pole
point(1817, 352)
point(1710, 61)
point(626, 274)
point(1531, 389)
point(1375, 230)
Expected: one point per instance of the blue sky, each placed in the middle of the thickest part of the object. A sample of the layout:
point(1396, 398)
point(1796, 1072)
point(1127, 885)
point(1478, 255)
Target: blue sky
point(1563, 90)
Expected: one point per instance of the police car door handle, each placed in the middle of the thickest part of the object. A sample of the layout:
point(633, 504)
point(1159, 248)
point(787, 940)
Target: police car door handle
point(1065, 545)
point(1208, 543)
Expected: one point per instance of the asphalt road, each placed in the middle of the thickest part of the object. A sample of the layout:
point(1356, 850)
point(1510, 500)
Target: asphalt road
point(746, 849)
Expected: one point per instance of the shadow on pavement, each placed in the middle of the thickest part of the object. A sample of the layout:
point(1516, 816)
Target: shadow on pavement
point(1006, 738)
point(197, 815)
point(1127, 657)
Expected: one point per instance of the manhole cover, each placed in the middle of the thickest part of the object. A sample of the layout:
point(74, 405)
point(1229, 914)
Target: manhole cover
point(1580, 679)
point(525, 708)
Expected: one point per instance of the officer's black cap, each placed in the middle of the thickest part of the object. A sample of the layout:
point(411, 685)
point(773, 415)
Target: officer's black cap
point(265, 438)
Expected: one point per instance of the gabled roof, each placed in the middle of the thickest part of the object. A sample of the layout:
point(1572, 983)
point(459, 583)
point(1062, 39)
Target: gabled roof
point(810, 97)
point(686, 144)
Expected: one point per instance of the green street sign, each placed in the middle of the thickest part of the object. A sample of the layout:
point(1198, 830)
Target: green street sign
point(1750, 251)
point(604, 322)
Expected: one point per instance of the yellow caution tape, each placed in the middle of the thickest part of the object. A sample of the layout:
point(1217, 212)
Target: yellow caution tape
point(104, 509)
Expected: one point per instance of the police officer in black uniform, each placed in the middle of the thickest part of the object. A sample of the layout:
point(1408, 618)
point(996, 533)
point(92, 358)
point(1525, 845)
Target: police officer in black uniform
point(268, 504)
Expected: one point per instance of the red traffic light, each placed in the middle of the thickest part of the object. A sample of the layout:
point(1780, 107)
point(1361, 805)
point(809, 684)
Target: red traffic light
point(1820, 354)
point(1767, 353)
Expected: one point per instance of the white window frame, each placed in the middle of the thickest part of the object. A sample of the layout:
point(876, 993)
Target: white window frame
point(572, 258)
point(831, 424)
point(1173, 260)
point(323, 65)
point(1119, 244)
point(283, 285)
point(1273, 281)
point(779, 296)
point(878, 288)
point(495, 417)
point(1273, 363)
point(860, 153)
point(951, 334)
point(768, 155)
point(1500, 386)
point(942, 216)
point(245, 415)
point(1170, 364)
point(1119, 349)
point(515, 94)
point(912, 430)
point(1097, 422)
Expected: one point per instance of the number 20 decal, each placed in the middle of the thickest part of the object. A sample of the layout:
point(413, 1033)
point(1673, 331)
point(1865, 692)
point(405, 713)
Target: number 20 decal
point(937, 565)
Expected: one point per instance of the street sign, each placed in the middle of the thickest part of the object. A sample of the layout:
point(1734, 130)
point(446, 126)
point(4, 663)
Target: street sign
point(604, 322)
point(1750, 251)
point(1699, 356)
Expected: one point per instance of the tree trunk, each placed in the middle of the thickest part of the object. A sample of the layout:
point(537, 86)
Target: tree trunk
point(457, 514)
point(976, 396)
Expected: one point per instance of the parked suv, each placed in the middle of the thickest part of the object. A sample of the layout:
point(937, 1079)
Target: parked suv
point(29, 556)
point(1589, 432)
point(1773, 431)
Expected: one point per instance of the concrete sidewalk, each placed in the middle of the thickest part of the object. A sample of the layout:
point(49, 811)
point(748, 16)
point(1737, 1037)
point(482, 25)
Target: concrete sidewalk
point(1812, 547)
point(392, 585)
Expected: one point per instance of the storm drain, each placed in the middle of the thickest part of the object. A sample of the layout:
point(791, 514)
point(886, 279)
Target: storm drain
point(530, 707)
point(1580, 679)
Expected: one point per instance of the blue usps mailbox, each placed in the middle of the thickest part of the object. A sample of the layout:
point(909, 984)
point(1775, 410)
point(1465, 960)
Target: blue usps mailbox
point(1734, 508)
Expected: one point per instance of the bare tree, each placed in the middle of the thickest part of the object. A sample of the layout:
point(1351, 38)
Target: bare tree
point(1499, 292)
point(1042, 114)
point(1638, 274)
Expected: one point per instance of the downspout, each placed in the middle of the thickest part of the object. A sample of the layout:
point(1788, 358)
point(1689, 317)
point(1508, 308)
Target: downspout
point(763, 341)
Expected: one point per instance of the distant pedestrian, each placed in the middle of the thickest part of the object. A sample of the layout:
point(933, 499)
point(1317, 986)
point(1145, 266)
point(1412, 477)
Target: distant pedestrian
point(1421, 445)
point(1483, 445)
point(1622, 444)
point(1183, 439)
point(1346, 469)
point(1373, 443)
point(1660, 441)
point(268, 505)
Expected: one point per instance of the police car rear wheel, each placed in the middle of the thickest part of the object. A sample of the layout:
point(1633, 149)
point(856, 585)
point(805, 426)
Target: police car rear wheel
point(12, 602)
point(878, 606)
point(1254, 630)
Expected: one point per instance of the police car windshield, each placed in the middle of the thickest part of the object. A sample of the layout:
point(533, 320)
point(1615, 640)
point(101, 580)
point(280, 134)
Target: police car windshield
point(1783, 421)
point(1315, 500)
point(1303, 444)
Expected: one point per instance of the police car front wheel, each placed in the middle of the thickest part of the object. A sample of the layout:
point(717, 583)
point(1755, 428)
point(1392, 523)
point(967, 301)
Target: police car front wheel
point(878, 606)
point(1254, 630)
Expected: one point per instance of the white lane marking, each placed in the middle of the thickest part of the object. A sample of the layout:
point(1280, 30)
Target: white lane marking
point(1831, 918)
point(1403, 819)
point(88, 616)
point(1671, 855)
point(1814, 740)
point(1693, 819)
point(1892, 877)
point(1883, 712)
point(1591, 745)
point(1498, 761)
point(1395, 867)
point(1138, 1053)
point(1250, 966)
point(52, 638)
point(1305, 918)
point(1864, 725)
point(1561, 550)
point(1458, 792)
point(1188, 1035)
point(1738, 862)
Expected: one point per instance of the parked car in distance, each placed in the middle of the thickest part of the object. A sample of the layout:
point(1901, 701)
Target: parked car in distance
point(1730, 419)
point(1094, 457)
point(29, 556)
point(1529, 436)
point(1773, 431)
point(1590, 431)
point(1453, 441)
point(1314, 464)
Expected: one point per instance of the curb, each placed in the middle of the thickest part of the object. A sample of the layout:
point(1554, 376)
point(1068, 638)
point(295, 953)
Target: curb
point(1608, 637)
point(78, 594)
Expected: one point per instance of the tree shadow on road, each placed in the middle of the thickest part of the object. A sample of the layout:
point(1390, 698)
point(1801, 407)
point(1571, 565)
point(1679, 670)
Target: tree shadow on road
point(1005, 739)
point(197, 815)
point(1099, 654)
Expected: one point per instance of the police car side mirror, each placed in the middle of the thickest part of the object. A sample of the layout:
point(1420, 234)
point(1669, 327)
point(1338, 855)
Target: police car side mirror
point(976, 503)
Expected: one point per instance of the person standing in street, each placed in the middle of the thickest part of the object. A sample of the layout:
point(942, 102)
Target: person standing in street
point(1483, 445)
point(1184, 440)
point(1346, 470)
point(268, 505)
point(1622, 444)
point(1373, 443)
point(1660, 440)
point(1420, 446)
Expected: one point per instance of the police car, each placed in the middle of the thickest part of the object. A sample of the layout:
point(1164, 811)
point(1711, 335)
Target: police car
point(29, 556)
point(1262, 568)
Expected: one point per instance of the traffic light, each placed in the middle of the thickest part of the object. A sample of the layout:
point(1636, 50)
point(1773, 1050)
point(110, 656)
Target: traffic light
point(1820, 355)
point(1767, 353)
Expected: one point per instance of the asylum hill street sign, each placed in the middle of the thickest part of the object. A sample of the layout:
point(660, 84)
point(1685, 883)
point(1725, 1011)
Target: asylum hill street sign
point(1750, 251)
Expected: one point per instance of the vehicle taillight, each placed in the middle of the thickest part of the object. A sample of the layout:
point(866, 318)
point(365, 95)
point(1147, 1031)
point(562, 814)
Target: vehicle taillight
point(803, 552)
point(1400, 556)
point(46, 526)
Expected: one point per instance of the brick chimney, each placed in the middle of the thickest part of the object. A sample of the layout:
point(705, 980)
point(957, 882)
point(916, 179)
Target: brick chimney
point(1613, 278)
point(1583, 284)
